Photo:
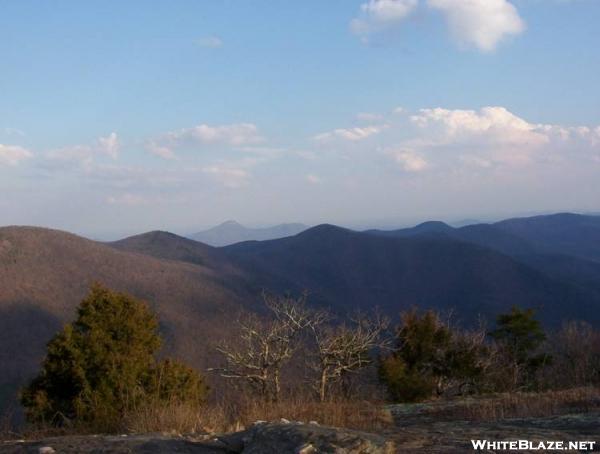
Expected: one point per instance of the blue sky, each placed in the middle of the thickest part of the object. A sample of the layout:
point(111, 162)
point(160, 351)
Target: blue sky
point(118, 117)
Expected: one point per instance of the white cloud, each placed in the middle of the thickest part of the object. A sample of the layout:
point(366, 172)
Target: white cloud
point(446, 141)
point(376, 15)
point(494, 136)
point(109, 145)
point(409, 160)
point(84, 155)
point(494, 123)
point(12, 155)
point(350, 134)
point(399, 111)
point(233, 135)
point(480, 23)
point(211, 42)
point(160, 150)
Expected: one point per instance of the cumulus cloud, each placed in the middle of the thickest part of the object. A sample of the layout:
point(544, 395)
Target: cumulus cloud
point(409, 160)
point(495, 123)
point(495, 136)
point(444, 141)
point(376, 15)
point(233, 135)
point(480, 23)
point(12, 155)
point(350, 134)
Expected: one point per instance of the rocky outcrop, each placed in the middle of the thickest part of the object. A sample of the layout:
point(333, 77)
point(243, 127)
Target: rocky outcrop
point(298, 438)
point(280, 437)
point(426, 435)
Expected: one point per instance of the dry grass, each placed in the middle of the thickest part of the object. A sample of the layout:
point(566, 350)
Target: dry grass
point(521, 405)
point(231, 416)
point(6, 427)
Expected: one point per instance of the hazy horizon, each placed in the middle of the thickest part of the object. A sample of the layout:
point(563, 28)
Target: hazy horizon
point(119, 118)
point(381, 224)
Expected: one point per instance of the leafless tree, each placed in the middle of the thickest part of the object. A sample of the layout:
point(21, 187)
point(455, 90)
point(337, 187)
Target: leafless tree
point(576, 355)
point(267, 343)
point(346, 347)
point(468, 361)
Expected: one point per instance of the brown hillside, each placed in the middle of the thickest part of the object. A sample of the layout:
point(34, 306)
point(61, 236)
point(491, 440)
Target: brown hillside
point(44, 274)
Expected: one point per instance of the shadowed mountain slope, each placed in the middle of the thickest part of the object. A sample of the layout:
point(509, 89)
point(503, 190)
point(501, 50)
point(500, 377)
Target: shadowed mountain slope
point(566, 233)
point(565, 246)
point(346, 269)
point(570, 234)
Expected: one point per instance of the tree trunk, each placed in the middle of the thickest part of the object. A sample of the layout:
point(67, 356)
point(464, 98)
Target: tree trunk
point(264, 385)
point(323, 385)
point(277, 385)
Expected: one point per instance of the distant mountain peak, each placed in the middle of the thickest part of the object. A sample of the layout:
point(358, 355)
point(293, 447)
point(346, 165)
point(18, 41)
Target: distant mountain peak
point(325, 229)
point(431, 226)
point(231, 232)
point(230, 223)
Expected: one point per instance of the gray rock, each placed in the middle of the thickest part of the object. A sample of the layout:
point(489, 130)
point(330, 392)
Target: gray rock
point(306, 449)
point(266, 438)
point(46, 450)
point(277, 438)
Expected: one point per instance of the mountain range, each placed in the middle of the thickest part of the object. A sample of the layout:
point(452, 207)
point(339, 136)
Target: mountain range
point(231, 232)
point(551, 263)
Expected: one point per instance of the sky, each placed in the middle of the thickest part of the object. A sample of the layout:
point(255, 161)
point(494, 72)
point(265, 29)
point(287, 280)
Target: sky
point(123, 117)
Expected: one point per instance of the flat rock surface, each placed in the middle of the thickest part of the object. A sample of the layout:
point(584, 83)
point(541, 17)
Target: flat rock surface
point(456, 436)
point(266, 438)
point(409, 435)
point(150, 444)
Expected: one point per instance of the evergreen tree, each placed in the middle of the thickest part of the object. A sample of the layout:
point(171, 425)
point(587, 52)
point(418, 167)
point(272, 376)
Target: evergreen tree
point(429, 358)
point(411, 372)
point(103, 365)
point(519, 336)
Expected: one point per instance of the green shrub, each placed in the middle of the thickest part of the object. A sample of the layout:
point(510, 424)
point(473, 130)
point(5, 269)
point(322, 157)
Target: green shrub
point(431, 358)
point(103, 365)
point(519, 336)
point(404, 384)
point(174, 382)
